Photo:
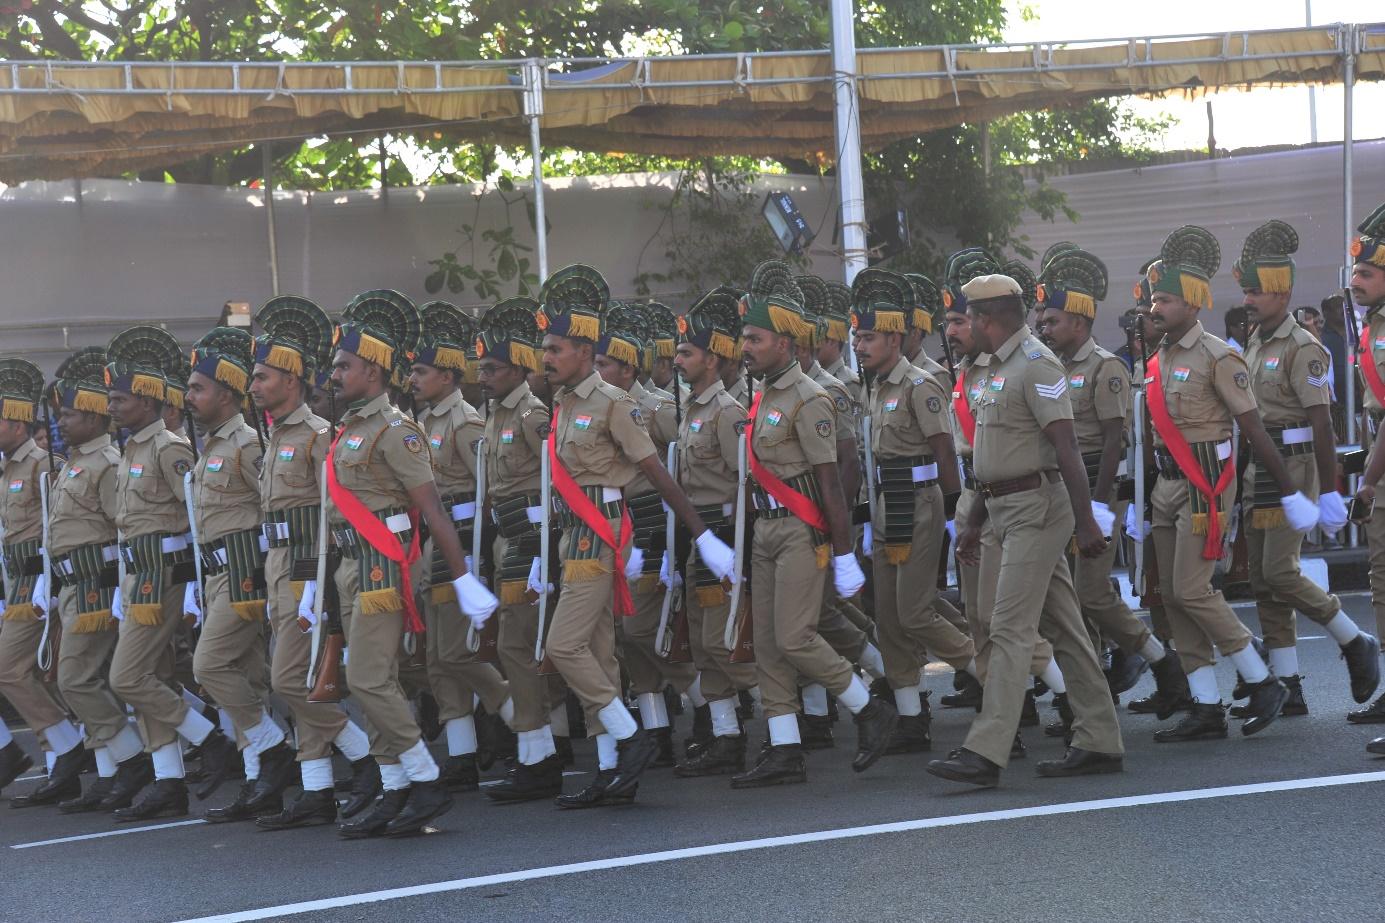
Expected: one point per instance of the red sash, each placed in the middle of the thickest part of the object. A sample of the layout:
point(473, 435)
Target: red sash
point(1183, 454)
point(378, 535)
point(1369, 371)
point(584, 509)
point(962, 408)
point(802, 507)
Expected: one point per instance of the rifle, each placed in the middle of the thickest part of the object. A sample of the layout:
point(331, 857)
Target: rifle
point(545, 514)
point(738, 569)
point(188, 481)
point(663, 640)
point(315, 645)
point(473, 637)
point(1137, 448)
point(52, 622)
point(1353, 339)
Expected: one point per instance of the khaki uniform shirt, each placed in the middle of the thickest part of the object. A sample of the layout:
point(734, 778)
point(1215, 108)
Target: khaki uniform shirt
point(1288, 373)
point(932, 366)
point(293, 461)
point(381, 455)
point(515, 433)
point(795, 425)
point(601, 436)
point(740, 391)
point(1024, 389)
point(453, 428)
point(909, 407)
point(707, 446)
point(1375, 342)
point(845, 410)
point(972, 372)
point(661, 422)
point(21, 509)
point(227, 495)
point(852, 381)
point(83, 506)
point(1099, 388)
point(1206, 384)
point(149, 483)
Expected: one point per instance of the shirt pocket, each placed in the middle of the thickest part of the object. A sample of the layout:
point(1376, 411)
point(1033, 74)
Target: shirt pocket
point(1191, 399)
point(77, 496)
point(215, 489)
point(590, 448)
point(296, 472)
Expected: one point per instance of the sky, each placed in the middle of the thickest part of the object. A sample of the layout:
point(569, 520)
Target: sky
point(1253, 118)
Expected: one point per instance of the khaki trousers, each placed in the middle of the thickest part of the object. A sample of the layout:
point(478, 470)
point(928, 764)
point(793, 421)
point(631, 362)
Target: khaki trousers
point(455, 675)
point(141, 669)
point(374, 647)
point(978, 593)
point(231, 661)
point(648, 671)
point(836, 626)
point(84, 676)
point(1375, 538)
point(721, 679)
point(1198, 615)
point(534, 695)
point(1102, 606)
point(20, 679)
point(907, 620)
point(315, 724)
point(1033, 568)
point(785, 609)
point(582, 640)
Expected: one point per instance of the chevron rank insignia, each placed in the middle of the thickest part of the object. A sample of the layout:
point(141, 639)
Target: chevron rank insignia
point(1053, 391)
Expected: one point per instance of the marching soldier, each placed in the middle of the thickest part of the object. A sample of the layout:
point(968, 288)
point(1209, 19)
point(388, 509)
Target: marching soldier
point(81, 543)
point(297, 334)
point(175, 405)
point(1024, 439)
point(831, 353)
point(516, 426)
point(380, 479)
point(1194, 453)
point(597, 445)
point(153, 522)
point(707, 471)
point(618, 358)
point(1071, 285)
point(803, 524)
point(914, 466)
point(25, 467)
point(453, 427)
point(658, 374)
point(927, 303)
point(1289, 377)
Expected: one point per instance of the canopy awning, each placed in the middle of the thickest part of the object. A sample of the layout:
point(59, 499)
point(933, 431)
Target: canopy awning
point(64, 119)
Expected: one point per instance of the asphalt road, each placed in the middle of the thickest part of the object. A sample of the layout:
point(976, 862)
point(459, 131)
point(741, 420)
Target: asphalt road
point(1281, 826)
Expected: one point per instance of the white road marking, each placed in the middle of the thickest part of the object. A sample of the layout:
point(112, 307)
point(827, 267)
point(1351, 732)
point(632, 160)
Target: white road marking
point(821, 836)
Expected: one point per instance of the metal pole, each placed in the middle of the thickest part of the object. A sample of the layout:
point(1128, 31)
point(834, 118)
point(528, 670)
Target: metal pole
point(533, 109)
point(847, 120)
point(267, 172)
point(1348, 89)
point(1312, 91)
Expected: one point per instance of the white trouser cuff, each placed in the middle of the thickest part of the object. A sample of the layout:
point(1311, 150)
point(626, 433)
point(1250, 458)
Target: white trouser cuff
point(62, 737)
point(872, 662)
point(907, 701)
point(125, 744)
point(724, 723)
point(1053, 677)
point(194, 728)
point(653, 712)
point(264, 735)
point(418, 763)
point(1152, 650)
point(1342, 629)
point(5, 736)
point(1284, 661)
point(1202, 685)
point(251, 760)
point(617, 720)
point(1252, 669)
point(192, 699)
point(352, 742)
point(815, 700)
point(856, 696)
point(461, 736)
point(507, 712)
point(783, 730)
point(317, 774)
point(607, 755)
point(393, 776)
point(50, 759)
point(541, 745)
point(695, 695)
point(105, 763)
point(168, 761)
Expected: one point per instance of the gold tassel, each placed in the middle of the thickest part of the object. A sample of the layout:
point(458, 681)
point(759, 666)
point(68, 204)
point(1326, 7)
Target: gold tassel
point(147, 386)
point(923, 320)
point(525, 356)
point(1082, 303)
point(709, 597)
point(23, 411)
point(514, 592)
point(150, 615)
point(789, 322)
point(174, 398)
point(442, 594)
point(285, 360)
point(823, 553)
point(471, 374)
point(1200, 522)
point(92, 622)
point(296, 587)
point(666, 348)
point(1268, 519)
point(21, 612)
point(445, 357)
point(232, 376)
point(377, 602)
point(836, 330)
point(90, 402)
point(897, 555)
point(585, 327)
point(722, 345)
point(1197, 292)
point(1072, 545)
point(1275, 278)
point(622, 351)
point(644, 583)
point(584, 569)
point(250, 610)
point(889, 322)
point(377, 351)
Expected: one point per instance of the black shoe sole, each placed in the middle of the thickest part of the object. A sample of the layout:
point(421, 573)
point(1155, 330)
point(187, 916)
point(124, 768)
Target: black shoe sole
point(767, 783)
point(162, 812)
point(1201, 735)
point(416, 826)
point(951, 776)
point(314, 820)
point(1098, 770)
point(501, 796)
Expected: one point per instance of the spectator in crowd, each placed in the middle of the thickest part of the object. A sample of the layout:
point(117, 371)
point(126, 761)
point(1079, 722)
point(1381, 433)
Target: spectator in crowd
point(1127, 352)
point(1334, 337)
point(1237, 328)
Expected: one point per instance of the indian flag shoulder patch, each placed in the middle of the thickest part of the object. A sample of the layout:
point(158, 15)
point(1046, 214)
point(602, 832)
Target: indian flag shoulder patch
point(435, 440)
point(16, 485)
point(1272, 363)
point(286, 453)
point(507, 436)
point(695, 426)
point(1078, 381)
point(215, 463)
point(355, 442)
point(773, 417)
point(891, 404)
point(136, 471)
point(1181, 374)
point(583, 421)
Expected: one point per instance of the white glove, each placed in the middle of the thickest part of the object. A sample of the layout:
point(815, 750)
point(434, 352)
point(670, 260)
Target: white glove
point(1301, 512)
point(476, 601)
point(535, 567)
point(117, 611)
point(951, 528)
point(1332, 512)
point(1133, 526)
point(634, 564)
point(718, 556)
point(847, 575)
point(40, 593)
point(306, 617)
point(664, 577)
point(866, 546)
point(1105, 519)
point(192, 606)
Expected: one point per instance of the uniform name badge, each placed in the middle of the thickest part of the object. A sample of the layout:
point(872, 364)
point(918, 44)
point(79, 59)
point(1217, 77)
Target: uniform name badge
point(507, 436)
point(214, 464)
point(1181, 374)
point(1078, 381)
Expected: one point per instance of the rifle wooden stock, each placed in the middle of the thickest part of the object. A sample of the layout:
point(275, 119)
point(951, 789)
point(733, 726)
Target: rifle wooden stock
point(326, 685)
point(744, 650)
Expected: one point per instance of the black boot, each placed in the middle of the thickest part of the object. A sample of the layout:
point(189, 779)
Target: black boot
point(962, 765)
point(14, 762)
point(663, 757)
point(745, 705)
point(1080, 763)
point(1294, 705)
point(427, 801)
point(1373, 713)
point(365, 786)
point(1266, 701)
point(782, 765)
point(459, 774)
point(309, 809)
point(594, 794)
point(278, 770)
point(564, 747)
point(166, 797)
point(1018, 751)
point(494, 741)
point(1125, 671)
point(967, 691)
point(240, 808)
point(63, 783)
point(875, 726)
point(702, 735)
point(220, 758)
point(543, 779)
point(1201, 721)
point(131, 777)
point(1063, 726)
point(1171, 693)
point(1029, 714)
point(911, 735)
point(636, 752)
point(90, 800)
point(429, 724)
point(1362, 655)
point(1376, 746)
point(1242, 689)
point(374, 821)
point(815, 732)
point(725, 756)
